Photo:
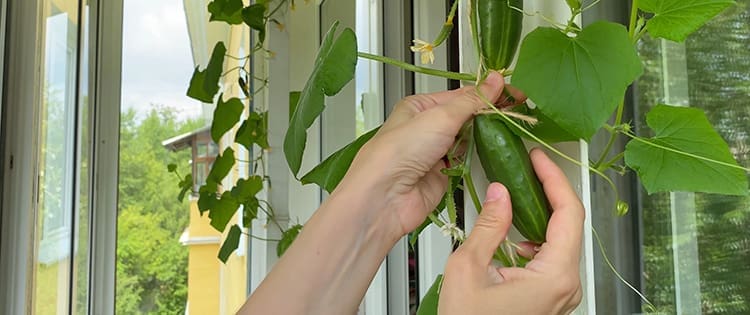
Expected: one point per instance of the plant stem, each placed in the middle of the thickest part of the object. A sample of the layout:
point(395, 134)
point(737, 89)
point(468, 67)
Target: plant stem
point(260, 238)
point(276, 9)
point(468, 181)
point(612, 137)
point(410, 67)
point(633, 18)
point(617, 274)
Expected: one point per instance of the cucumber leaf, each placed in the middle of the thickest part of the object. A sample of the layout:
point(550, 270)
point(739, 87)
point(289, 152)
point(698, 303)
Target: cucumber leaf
point(429, 304)
point(287, 238)
point(230, 243)
point(223, 210)
point(577, 81)
point(545, 129)
point(222, 165)
point(688, 130)
point(334, 68)
point(253, 131)
point(229, 11)
point(226, 115)
point(676, 19)
point(329, 173)
point(205, 84)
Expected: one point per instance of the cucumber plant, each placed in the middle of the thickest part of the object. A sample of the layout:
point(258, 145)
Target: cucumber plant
point(576, 76)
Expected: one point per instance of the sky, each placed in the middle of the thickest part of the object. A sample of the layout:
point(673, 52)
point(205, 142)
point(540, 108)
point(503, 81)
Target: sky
point(157, 61)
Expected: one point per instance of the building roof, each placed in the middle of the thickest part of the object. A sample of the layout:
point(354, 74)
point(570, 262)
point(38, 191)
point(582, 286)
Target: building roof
point(184, 140)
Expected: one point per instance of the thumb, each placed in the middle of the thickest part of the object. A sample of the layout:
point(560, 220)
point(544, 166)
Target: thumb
point(491, 226)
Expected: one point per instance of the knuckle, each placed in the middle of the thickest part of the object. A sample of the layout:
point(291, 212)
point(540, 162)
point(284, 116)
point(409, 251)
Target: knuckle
point(416, 102)
point(567, 287)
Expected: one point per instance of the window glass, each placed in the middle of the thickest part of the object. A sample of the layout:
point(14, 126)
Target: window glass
point(56, 158)
point(695, 246)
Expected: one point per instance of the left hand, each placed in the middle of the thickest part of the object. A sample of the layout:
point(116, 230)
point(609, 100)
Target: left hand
point(402, 163)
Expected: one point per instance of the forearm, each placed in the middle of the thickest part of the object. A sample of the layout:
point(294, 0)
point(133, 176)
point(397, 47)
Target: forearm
point(330, 265)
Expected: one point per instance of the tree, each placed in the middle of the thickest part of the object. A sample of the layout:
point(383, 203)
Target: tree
point(151, 263)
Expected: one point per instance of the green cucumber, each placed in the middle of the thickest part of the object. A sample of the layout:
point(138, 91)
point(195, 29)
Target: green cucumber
point(498, 24)
point(505, 160)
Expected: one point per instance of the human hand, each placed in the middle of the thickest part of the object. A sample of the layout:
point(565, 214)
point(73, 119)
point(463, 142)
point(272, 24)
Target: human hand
point(401, 164)
point(549, 284)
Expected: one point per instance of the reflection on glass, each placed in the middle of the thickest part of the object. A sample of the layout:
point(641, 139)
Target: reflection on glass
point(81, 224)
point(695, 246)
point(56, 158)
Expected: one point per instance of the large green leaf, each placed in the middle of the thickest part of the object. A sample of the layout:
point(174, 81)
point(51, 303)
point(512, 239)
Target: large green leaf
point(687, 130)
point(328, 174)
point(205, 84)
point(223, 211)
point(334, 68)
point(287, 238)
point(429, 304)
point(246, 188)
point(230, 243)
point(577, 81)
point(226, 115)
point(229, 11)
point(253, 131)
point(545, 129)
point(254, 16)
point(222, 165)
point(676, 19)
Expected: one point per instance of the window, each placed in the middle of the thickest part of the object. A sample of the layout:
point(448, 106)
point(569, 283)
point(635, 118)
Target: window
point(695, 246)
point(61, 264)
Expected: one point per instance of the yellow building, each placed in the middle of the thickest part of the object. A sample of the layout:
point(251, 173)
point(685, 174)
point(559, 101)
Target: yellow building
point(213, 287)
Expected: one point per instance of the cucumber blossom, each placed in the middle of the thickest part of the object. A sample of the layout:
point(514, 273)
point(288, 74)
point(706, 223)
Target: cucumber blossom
point(498, 26)
point(505, 160)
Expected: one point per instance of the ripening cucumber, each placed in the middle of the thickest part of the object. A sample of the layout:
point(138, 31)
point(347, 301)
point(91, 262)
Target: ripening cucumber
point(505, 160)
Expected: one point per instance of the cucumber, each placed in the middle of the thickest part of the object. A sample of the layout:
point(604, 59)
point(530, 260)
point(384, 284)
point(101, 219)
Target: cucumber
point(497, 24)
point(505, 160)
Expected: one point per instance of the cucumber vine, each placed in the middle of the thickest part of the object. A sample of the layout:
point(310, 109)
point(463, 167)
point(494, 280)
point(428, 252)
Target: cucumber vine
point(576, 77)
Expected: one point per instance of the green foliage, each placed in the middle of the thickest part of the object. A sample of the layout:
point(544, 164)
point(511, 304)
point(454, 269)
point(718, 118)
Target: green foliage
point(231, 243)
point(663, 168)
point(287, 238)
point(254, 16)
point(577, 81)
point(329, 173)
point(676, 19)
point(151, 263)
point(254, 130)
point(429, 304)
point(545, 128)
point(205, 84)
point(229, 11)
point(334, 68)
point(226, 115)
point(221, 167)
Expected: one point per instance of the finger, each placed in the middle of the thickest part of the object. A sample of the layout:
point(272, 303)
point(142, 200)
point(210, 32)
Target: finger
point(565, 227)
point(464, 106)
point(491, 226)
point(412, 105)
point(517, 96)
point(434, 184)
point(527, 249)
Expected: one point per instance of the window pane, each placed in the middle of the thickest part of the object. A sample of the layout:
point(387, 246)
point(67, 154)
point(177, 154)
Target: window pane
point(82, 218)
point(57, 158)
point(695, 246)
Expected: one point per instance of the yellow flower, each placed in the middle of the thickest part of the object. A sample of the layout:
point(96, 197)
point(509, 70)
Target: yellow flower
point(425, 49)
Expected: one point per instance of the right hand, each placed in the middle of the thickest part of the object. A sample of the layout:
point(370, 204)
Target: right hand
point(549, 284)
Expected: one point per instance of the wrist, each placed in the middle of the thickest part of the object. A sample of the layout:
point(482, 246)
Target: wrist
point(363, 193)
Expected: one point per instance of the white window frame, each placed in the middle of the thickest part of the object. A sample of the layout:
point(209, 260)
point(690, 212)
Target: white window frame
point(20, 153)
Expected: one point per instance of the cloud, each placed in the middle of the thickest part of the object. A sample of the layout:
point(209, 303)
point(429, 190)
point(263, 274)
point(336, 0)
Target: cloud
point(157, 61)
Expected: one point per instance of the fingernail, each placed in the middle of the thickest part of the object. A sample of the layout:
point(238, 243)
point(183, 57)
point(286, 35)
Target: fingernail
point(495, 192)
